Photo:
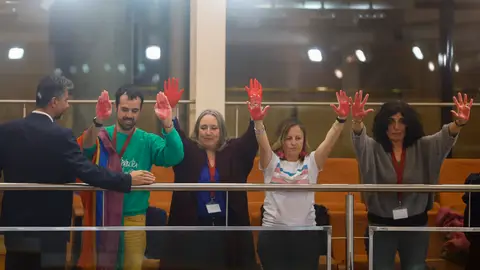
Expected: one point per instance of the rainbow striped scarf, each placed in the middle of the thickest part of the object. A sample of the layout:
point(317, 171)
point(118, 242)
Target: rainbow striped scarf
point(100, 250)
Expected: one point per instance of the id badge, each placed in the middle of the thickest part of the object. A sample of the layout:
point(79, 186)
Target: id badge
point(213, 207)
point(400, 213)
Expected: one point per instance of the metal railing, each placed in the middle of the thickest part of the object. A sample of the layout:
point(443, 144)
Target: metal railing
point(349, 208)
point(258, 187)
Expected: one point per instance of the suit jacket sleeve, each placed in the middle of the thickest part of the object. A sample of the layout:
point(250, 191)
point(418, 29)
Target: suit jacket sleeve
point(74, 160)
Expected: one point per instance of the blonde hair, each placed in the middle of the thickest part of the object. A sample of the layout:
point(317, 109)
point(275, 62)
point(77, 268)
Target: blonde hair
point(282, 133)
point(223, 138)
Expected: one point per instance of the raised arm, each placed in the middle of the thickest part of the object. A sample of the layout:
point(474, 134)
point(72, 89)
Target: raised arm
point(247, 144)
point(103, 112)
point(440, 143)
point(324, 149)
point(166, 151)
point(176, 125)
point(359, 136)
point(257, 113)
point(173, 94)
point(362, 143)
point(263, 144)
point(462, 114)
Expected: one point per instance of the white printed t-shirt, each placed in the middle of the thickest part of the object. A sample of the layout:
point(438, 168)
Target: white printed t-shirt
point(290, 208)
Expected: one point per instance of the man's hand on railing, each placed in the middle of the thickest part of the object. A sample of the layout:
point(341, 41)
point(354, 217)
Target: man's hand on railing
point(140, 178)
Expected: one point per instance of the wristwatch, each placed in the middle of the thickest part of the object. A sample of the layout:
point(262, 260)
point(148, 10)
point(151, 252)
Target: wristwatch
point(98, 125)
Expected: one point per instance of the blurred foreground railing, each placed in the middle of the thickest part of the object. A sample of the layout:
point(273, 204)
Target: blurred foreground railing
point(349, 207)
point(257, 187)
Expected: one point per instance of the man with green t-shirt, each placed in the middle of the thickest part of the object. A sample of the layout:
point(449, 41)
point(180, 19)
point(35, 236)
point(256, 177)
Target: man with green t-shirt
point(137, 150)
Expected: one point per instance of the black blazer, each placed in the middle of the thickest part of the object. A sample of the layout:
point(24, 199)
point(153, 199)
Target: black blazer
point(36, 150)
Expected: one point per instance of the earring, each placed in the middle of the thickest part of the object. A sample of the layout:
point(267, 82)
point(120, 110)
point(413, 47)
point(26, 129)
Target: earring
point(281, 155)
point(303, 154)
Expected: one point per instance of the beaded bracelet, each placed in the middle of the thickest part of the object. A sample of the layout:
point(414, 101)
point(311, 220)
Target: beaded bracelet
point(259, 131)
point(356, 121)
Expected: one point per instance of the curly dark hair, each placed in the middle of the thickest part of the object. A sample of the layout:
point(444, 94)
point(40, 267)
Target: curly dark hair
point(413, 130)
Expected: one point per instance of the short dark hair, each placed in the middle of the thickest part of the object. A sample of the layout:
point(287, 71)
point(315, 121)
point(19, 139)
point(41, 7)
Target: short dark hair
point(413, 131)
point(131, 92)
point(51, 87)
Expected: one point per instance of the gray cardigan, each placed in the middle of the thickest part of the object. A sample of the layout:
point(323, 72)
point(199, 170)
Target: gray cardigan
point(422, 166)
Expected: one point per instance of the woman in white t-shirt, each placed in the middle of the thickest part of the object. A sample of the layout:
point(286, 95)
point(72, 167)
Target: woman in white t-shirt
point(289, 162)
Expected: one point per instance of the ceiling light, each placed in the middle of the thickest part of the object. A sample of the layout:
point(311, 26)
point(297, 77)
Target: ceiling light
point(315, 55)
point(15, 53)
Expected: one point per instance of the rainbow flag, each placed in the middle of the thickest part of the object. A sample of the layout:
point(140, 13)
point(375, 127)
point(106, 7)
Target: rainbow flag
point(101, 250)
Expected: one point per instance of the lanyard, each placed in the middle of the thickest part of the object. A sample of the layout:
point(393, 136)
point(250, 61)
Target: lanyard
point(212, 179)
point(125, 144)
point(399, 168)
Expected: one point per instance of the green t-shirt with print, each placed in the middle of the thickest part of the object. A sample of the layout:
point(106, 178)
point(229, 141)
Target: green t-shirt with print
point(144, 150)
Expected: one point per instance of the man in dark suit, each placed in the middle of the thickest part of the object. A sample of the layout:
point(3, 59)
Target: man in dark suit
point(37, 150)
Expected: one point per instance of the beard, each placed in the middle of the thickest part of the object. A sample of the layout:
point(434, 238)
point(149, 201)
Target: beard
point(126, 126)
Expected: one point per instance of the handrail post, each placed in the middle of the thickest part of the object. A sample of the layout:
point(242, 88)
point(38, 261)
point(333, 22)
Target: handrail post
point(236, 121)
point(349, 204)
point(371, 233)
point(329, 248)
point(226, 210)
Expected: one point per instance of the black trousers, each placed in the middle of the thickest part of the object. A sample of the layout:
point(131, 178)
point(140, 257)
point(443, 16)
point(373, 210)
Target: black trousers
point(209, 250)
point(279, 250)
point(473, 259)
point(198, 250)
point(15, 260)
point(47, 252)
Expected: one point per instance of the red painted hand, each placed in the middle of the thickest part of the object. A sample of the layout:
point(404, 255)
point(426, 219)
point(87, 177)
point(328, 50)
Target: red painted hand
point(358, 106)
point(257, 112)
point(463, 108)
point(104, 106)
point(170, 89)
point(255, 95)
point(343, 104)
point(163, 110)
point(254, 92)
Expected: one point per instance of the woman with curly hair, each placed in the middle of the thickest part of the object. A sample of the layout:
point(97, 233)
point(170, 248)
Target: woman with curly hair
point(401, 153)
